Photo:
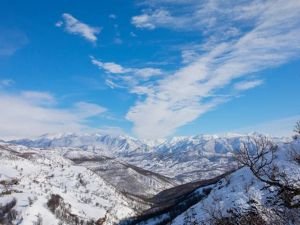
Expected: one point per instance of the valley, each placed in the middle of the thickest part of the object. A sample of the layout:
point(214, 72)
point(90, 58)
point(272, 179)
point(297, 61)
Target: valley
point(101, 179)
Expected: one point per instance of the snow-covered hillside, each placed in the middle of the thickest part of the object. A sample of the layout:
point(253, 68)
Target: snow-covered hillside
point(126, 178)
point(266, 192)
point(39, 187)
point(111, 179)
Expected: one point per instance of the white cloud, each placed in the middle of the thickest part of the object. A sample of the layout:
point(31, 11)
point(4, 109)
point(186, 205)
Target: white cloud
point(143, 21)
point(179, 98)
point(43, 98)
point(206, 16)
point(109, 67)
point(112, 84)
point(26, 115)
point(147, 72)
point(156, 18)
point(189, 55)
point(245, 85)
point(74, 26)
point(130, 76)
point(86, 110)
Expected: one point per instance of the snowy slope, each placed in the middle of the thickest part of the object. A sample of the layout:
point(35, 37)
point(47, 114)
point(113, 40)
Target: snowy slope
point(241, 195)
point(31, 177)
point(126, 178)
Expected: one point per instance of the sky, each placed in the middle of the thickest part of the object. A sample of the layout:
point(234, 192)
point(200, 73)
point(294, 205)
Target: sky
point(149, 68)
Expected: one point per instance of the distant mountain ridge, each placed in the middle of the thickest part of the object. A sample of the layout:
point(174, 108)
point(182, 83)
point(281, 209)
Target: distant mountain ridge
point(182, 158)
point(121, 142)
point(105, 142)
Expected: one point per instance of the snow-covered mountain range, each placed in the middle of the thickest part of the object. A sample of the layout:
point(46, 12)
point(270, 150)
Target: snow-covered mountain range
point(181, 158)
point(109, 179)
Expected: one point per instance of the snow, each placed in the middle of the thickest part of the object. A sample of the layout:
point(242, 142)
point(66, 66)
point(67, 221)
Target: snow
point(184, 158)
point(241, 187)
point(92, 187)
point(47, 173)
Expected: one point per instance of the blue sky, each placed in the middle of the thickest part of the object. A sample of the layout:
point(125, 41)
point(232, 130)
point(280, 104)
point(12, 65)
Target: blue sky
point(149, 68)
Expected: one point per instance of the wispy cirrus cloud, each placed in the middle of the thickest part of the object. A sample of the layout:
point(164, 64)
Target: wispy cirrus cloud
point(109, 67)
point(32, 113)
point(114, 68)
point(85, 110)
point(125, 77)
point(268, 37)
point(37, 97)
point(157, 18)
point(74, 26)
point(206, 16)
point(246, 85)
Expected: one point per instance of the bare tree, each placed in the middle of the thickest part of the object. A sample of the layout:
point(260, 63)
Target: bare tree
point(297, 128)
point(258, 153)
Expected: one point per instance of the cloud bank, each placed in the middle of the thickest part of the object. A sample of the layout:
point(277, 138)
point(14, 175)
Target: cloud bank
point(31, 113)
